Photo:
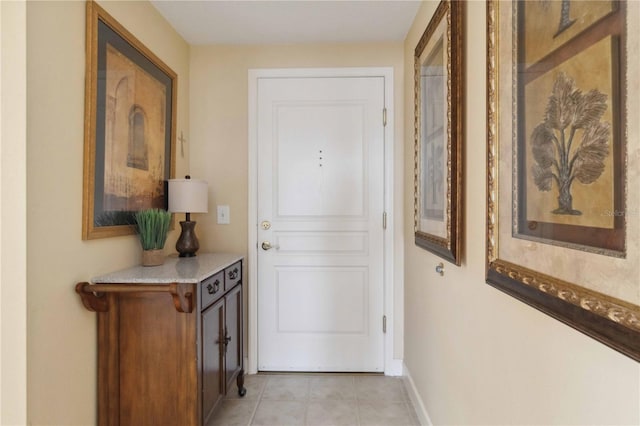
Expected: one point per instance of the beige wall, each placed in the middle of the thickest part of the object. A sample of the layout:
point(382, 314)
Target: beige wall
point(476, 355)
point(13, 204)
point(219, 129)
point(61, 333)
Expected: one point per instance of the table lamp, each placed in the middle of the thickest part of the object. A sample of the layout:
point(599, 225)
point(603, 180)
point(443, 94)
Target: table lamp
point(187, 196)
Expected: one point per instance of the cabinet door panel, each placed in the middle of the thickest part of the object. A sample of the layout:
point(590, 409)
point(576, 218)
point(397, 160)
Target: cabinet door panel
point(233, 324)
point(212, 321)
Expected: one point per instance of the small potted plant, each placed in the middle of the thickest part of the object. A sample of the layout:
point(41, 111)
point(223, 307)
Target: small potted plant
point(152, 226)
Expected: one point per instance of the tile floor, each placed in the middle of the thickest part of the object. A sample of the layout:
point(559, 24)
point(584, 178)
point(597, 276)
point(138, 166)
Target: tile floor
point(318, 399)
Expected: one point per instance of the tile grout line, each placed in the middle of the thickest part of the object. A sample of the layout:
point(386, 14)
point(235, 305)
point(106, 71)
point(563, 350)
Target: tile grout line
point(355, 391)
point(308, 399)
point(259, 400)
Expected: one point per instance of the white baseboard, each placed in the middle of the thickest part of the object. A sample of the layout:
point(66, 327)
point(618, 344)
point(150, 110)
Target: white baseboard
point(394, 367)
point(421, 411)
point(247, 367)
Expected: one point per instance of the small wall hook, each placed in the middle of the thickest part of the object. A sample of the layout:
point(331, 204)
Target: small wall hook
point(440, 269)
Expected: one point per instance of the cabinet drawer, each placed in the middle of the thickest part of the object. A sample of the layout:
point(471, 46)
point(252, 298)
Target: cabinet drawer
point(211, 289)
point(232, 275)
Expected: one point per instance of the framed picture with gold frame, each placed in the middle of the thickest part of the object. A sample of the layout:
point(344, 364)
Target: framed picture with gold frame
point(129, 139)
point(438, 98)
point(562, 228)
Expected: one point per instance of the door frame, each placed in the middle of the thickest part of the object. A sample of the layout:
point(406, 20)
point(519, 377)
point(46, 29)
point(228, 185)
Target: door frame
point(391, 287)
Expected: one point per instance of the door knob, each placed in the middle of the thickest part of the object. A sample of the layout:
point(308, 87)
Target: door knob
point(266, 245)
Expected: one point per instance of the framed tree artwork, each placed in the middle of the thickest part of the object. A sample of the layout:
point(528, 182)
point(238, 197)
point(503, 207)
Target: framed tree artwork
point(130, 98)
point(562, 222)
point(438, 133)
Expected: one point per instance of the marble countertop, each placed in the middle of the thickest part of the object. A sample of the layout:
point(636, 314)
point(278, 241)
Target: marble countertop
point(174, 270)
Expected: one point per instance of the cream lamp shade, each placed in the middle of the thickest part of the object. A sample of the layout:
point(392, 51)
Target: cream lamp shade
point(188, 196)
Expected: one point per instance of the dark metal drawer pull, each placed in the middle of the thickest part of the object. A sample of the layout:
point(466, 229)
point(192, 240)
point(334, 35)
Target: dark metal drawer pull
point(213, 289)
point(233, 274)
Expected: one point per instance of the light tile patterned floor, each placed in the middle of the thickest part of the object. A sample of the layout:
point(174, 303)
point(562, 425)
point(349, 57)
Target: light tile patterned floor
point(319, 400)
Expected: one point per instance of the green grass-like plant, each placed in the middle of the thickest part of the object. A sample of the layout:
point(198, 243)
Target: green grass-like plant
point(152, 226)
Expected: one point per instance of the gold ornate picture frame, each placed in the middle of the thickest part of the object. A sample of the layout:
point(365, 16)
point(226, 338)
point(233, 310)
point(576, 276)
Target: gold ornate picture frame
point(438, 95)
point(562, 225)
point(129, 138)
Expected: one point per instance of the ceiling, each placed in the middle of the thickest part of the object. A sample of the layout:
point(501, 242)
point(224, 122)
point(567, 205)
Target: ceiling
point(292, 21)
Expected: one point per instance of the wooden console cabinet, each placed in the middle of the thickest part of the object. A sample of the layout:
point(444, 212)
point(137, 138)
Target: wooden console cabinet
point(169, 339)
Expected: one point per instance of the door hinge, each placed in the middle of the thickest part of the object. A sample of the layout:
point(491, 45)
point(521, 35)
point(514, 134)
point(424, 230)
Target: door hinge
point(384, 323)
point(384, 220)
point(384, 117)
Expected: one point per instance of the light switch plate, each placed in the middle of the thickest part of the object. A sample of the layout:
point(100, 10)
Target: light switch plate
point(223, 215)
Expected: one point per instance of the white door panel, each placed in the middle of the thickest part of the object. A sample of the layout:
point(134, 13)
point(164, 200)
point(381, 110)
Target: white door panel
point(320, 160)
point(344, 243)
point(320, 187)
point(304, 296)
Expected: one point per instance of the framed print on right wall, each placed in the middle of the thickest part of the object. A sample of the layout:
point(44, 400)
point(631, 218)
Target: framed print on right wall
point(438, 122)
point(563, 210)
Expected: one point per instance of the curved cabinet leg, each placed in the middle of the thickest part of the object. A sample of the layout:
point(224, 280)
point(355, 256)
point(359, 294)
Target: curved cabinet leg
point(242, 391)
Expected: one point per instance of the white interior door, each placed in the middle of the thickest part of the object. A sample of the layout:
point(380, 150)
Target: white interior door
point(320, 145)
